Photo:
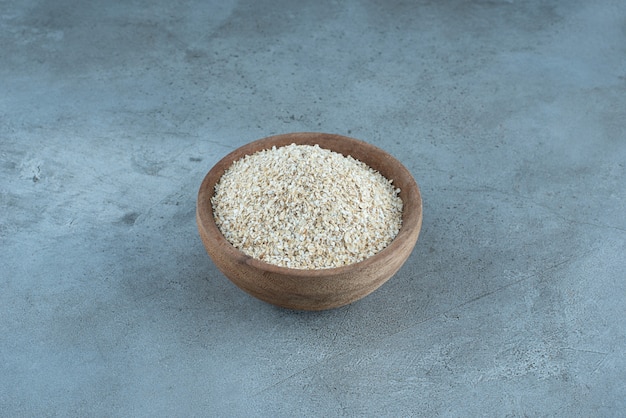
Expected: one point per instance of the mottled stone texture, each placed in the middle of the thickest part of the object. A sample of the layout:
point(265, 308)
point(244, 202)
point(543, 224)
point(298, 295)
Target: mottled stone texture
point(511, 115)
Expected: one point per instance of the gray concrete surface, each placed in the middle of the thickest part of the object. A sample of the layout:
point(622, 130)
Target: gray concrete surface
point(510, 114)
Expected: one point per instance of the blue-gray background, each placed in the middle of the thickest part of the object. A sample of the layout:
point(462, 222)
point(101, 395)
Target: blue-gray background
point(511, 115)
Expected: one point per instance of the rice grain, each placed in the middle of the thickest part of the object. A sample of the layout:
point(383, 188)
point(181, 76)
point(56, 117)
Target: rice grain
point(306, 207)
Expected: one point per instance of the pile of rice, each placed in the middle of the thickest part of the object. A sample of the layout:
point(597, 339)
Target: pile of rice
point(305, 207)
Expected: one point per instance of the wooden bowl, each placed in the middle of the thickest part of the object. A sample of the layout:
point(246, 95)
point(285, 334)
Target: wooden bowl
point(322, 288)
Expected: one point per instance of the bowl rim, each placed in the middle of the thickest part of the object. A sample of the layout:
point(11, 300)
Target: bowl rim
point(411, 222)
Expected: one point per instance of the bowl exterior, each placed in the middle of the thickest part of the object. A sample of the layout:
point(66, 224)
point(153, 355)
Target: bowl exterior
point(297, 290)
point(312, 289)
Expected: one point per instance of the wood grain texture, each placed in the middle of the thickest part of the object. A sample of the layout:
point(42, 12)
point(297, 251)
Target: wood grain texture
point(313, 289)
